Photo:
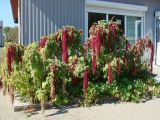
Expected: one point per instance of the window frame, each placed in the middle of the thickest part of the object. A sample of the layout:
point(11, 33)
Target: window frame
point(109, 10)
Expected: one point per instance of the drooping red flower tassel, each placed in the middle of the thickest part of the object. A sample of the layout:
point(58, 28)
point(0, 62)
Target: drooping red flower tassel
point(118, 67)
point(85, 81)
point(10, 57)
point(109, 73)
point(0, 85)
point(112, 29)
point(125, 60)
point(73, 78)
point(93, 44)
point(98, 42)
point(64, 46)
point(42, 42)
point(53, 82)
point(94, 64)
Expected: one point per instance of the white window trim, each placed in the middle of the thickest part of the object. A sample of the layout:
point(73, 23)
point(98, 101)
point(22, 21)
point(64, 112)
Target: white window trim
point(109, 6)
point(19, 24)
point(116, 5)
point(157, 14)
point(136, 22)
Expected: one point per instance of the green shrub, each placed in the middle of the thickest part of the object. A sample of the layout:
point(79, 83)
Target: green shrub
point(61, 69)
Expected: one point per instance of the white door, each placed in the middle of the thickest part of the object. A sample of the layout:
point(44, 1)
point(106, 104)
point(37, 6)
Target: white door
point(158, 42)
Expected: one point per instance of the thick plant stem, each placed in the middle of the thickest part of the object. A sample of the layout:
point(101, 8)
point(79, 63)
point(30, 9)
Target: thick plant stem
point(63, 87)
point(42, 105)
point(33, 99)
point(11, 92)
point(53, 89)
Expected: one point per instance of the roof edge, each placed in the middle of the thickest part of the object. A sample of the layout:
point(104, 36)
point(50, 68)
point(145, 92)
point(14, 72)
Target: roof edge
point(14, 6)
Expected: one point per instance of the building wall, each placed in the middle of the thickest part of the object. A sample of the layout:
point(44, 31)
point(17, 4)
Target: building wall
point(1, 33)
point(43, 17)
point(153, 6)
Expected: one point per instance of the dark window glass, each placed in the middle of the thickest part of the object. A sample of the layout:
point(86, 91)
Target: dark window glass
point(94, 18)
point(119, 19)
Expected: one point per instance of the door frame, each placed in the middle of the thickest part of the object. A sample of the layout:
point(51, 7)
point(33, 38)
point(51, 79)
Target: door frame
point(157, 15)
point(136, 29)
point(157, 42)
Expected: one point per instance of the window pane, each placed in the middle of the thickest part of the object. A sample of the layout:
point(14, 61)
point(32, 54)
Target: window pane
point(94, 18)
point(139, 30)
point(133, 27)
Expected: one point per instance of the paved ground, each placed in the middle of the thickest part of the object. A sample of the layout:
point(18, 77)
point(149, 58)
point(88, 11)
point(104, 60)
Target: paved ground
point(123, 111)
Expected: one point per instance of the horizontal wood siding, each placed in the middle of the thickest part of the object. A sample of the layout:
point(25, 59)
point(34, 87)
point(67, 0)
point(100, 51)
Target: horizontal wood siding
point(43, 17)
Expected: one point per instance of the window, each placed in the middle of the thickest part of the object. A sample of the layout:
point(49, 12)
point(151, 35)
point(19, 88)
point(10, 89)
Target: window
point(157, 40)
point(131, 26)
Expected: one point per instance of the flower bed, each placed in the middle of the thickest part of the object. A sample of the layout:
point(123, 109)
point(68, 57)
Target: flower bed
point(60, 69)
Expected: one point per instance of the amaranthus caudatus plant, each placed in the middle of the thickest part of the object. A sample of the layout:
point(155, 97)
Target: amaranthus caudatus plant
point(14, 55)
point(60, 66)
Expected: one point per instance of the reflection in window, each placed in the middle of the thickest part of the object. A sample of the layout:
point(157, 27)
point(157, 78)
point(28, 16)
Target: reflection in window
point(133, 27)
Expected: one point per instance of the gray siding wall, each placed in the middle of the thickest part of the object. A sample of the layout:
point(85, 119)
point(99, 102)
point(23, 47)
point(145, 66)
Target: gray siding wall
point(1, 33)
point(153, 6)
point(43, 17)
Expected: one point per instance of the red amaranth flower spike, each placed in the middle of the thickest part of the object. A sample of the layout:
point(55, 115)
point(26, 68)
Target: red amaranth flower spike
point(94, 64)
point(1, 85)
point(112, 28)
point(125, 61)
point(98, 42)
point(64, 46)
point(10, 57)
point(93, 44)
point(109, 73)
point(118, 67)
point(42, 42)
point(112, 35)
point(85, 81)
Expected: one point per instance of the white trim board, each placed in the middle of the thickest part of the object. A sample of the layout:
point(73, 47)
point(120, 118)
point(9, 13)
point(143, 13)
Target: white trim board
point(116, 5)
point(104, 7)
point(115, 11)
